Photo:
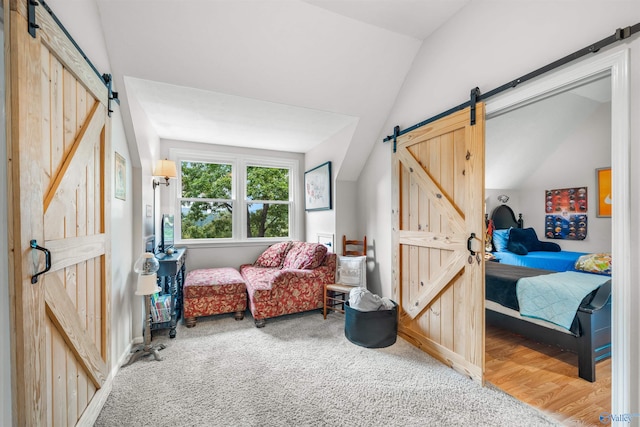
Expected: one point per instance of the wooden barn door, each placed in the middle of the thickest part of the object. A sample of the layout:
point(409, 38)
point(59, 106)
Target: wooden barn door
point(59, 197)
point(438, 209)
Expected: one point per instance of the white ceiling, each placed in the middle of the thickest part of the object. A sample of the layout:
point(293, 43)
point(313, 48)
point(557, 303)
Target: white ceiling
point(189, 114)
point(274, 74)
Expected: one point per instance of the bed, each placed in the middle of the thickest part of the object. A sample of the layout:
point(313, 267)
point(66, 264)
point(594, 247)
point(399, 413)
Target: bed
point(587, 332)
point(546, 255)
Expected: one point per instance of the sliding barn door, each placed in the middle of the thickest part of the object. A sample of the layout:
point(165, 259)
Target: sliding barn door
point(59, 197)
point(438, 275)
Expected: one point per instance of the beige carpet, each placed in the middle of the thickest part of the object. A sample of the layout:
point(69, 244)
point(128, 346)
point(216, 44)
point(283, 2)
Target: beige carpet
point(299, 370)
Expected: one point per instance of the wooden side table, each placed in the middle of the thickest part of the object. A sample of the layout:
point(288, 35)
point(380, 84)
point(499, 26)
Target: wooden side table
point(171, 279)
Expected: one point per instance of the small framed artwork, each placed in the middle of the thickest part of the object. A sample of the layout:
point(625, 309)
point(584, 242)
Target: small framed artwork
point(120, 177)
point(317, 188)
point(603, 184)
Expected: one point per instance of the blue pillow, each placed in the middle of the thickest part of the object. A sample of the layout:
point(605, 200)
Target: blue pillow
point(500, 239)
point(517, 248)
point(526, 237)
point(549, 247)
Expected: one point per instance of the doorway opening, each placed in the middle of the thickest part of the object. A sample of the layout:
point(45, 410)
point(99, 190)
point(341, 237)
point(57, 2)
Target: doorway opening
point(585, 129)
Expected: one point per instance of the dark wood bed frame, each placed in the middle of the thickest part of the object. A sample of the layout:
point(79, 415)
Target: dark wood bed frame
point(594, 342)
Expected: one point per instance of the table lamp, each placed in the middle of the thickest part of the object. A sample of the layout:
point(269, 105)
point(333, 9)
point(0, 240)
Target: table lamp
point(146, 266)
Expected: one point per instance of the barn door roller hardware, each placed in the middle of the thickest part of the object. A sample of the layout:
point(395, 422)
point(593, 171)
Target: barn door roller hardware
point(31, 16)
point(33, 26)
point(396, 132)
point(619, 35)
point(113, 96)
point(475, 95)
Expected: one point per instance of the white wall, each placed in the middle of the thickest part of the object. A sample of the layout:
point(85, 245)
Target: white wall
point(332, 150)
point(374, 187)
point(122, 254)
point(486, 45)
point(144, 154)
point(593, 141)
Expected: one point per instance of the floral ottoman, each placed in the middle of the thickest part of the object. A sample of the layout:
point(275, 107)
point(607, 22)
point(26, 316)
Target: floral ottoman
point(213, 291)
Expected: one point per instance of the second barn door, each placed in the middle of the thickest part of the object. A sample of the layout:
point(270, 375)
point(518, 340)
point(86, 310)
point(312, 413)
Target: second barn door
point(60, 161)
point(438, 268)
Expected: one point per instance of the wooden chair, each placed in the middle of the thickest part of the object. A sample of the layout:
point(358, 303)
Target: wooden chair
point(336, 294)
point(362, 244)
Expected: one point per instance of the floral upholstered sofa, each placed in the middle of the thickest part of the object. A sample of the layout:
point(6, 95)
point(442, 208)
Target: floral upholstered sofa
point(287, 278)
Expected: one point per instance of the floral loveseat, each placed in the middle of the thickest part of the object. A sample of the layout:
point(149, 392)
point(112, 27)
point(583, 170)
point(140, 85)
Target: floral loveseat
point(287, 278)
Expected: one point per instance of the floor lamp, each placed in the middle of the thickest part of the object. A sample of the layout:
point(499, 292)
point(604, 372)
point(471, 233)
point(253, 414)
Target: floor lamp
point(146, 267)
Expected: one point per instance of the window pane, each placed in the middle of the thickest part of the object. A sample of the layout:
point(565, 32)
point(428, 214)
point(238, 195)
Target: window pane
point(206, 180)
point(267, 220)
point(267, 183)
point(204, 220)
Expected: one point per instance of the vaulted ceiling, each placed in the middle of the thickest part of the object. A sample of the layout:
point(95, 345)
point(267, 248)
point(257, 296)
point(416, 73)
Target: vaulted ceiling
point(272, 74)
point(275, 74)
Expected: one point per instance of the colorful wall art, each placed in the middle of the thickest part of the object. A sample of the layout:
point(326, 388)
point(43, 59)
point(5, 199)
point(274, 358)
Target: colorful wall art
point(566, 210)
point(572, 227)
point(603, 180)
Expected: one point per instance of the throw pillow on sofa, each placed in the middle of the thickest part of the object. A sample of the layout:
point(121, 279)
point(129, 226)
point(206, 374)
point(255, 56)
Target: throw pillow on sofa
point(273, 256)
point(305, 256)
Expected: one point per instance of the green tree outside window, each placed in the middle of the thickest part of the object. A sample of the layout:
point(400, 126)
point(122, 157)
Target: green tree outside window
point(207, 202)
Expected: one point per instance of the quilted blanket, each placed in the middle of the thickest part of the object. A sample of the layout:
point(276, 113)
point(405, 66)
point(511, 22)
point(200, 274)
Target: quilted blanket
point(555, 297)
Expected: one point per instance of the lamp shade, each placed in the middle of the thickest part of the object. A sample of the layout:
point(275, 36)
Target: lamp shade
point(165, 168)
point(147, 284)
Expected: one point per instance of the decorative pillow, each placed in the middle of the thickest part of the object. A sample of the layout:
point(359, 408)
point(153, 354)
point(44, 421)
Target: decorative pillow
point(549, 247)
point(274, 255)
point(517, 248)
point(305, 256)
point(594, 263)
point(526, 237)
point(500, 239)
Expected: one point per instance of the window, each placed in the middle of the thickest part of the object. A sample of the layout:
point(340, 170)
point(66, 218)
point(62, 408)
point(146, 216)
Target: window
point(206, 204)
point(234, 198)
point(267, 200)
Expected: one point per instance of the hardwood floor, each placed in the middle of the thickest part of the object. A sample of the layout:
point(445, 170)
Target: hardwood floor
point(546, 378)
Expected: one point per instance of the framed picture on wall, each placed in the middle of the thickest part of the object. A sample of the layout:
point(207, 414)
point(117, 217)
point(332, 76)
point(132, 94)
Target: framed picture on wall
point(317, 188)
point(120, 177)
point(603, 184)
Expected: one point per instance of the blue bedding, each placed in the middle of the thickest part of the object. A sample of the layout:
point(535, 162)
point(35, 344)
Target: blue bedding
point(555, 297)
point(556, 261)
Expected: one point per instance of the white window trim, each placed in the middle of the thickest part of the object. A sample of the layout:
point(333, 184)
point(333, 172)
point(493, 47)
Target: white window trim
point(239, 163)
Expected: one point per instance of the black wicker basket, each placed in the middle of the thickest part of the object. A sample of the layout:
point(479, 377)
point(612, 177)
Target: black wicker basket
point(371, 329)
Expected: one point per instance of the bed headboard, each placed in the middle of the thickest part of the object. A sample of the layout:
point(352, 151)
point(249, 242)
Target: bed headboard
point(503, 217)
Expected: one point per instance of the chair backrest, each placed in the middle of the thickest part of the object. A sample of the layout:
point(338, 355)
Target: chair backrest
point(354, 247)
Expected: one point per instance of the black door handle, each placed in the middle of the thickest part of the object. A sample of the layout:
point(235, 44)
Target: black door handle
point(47, 260)
point(469, 240)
